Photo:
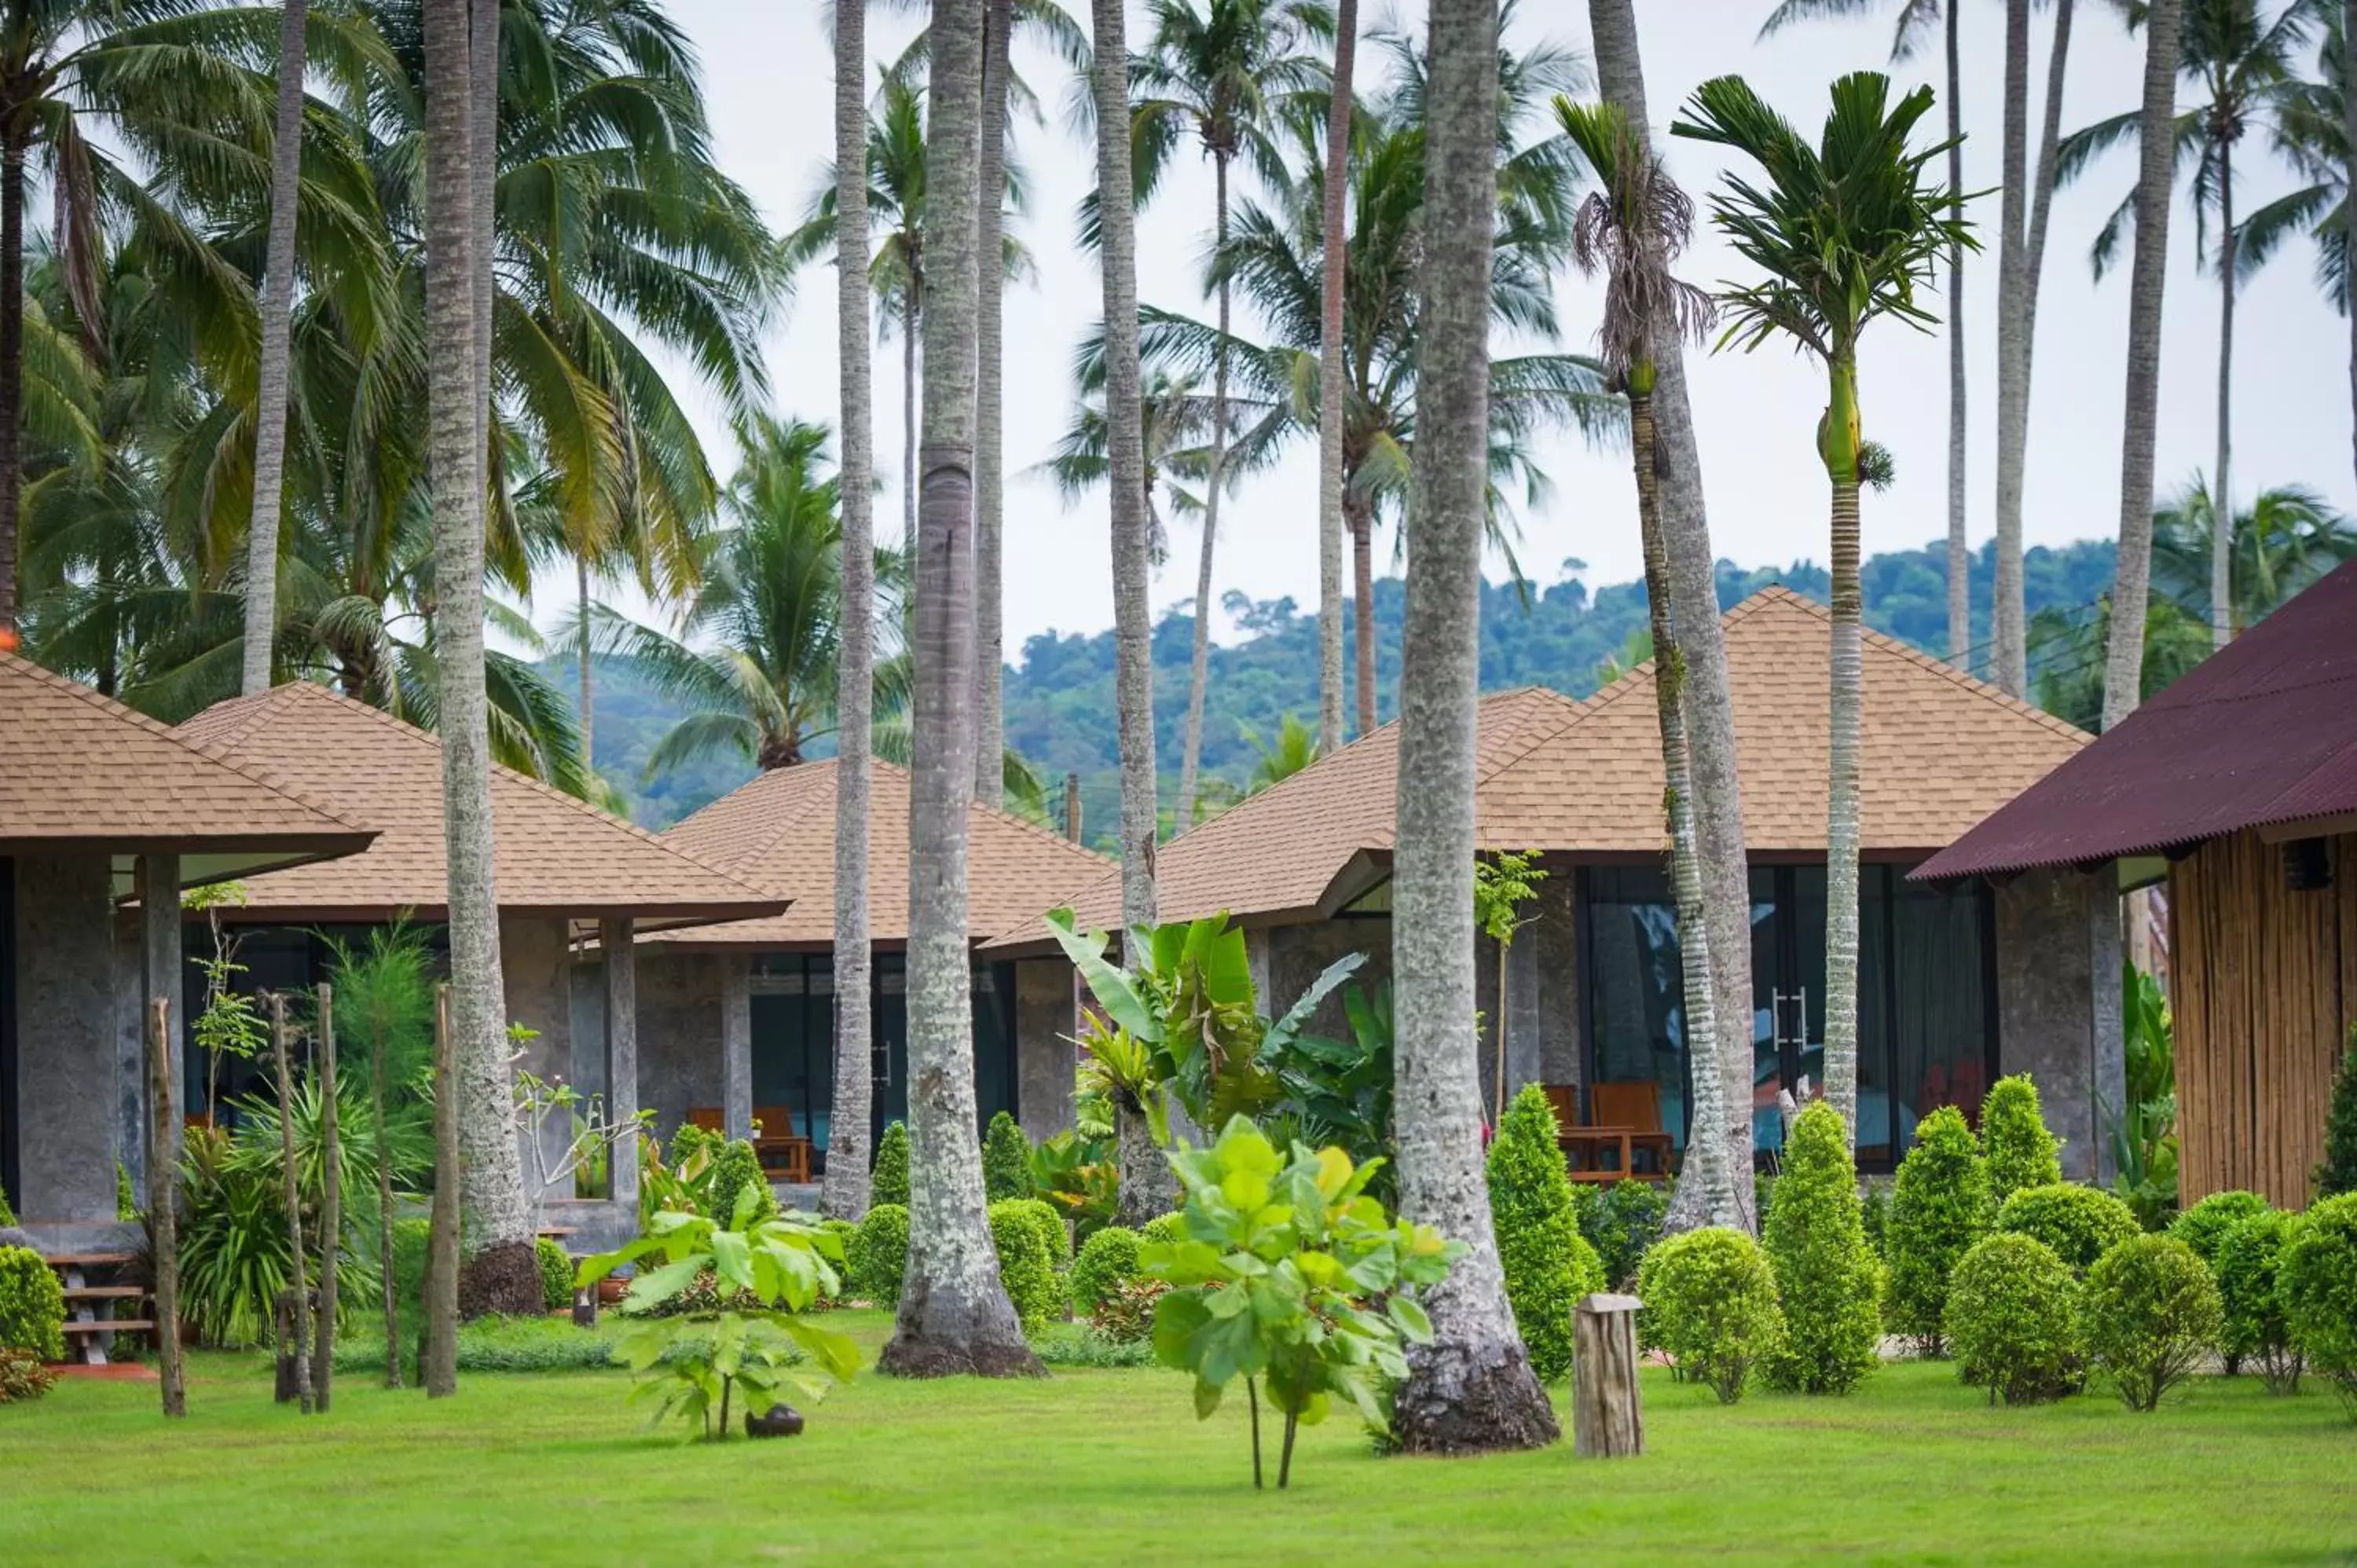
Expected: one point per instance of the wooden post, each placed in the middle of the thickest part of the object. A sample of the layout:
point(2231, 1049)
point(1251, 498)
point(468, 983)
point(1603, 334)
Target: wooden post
point(163, 1175)
point(442, 1249)
point(1072, 807)
point(1608, 1417)
point(298, 1320)
point(331, 1204)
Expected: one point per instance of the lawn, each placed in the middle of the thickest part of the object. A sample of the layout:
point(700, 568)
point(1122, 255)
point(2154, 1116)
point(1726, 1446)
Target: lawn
point(1104, 1466)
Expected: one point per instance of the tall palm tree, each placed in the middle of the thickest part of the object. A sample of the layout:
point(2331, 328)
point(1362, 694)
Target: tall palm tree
point(1632, 228)
point(277, 305)
point(1846, 232)
point(1223, 73)
point(954, 1314)
point(1333, 285)
point(1175, 422)
point(2283, 541)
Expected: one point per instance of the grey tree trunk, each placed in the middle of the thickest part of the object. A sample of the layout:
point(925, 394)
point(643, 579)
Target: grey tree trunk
point(1959, 550)
point(1709, 710)
point(163, 1185)
point(2132, 581)
point(989, 458)
point(1846, 703)
point(270, 381)
point(2009, 658)
point(11, 370)
point(1471, 1390)
point(1360, 513)
point(1148, 1188)
point(2221, 500)
point(1199, 669)
point(440, 1352)
point(291, 1189)
point(954, 1316)
point(585, 703)
point(2348, 177)
point(908, 329)
point(1330, 383)
point(1125, 465)
point(2042, 191)
point(331, 1204)
point(847, 1152)
point(389, 1287)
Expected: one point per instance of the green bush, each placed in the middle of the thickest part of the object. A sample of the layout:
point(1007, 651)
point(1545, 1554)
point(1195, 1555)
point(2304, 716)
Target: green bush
point(1710, 1302)
point(1164, 1227)
point(2020, 1150)
point(1053, 1233)
point(2204, 1226)
point(1939, 1208)
point(8, 1215)
point(1025, 1266)
point(555, 1274)
point(2081, 1223)
point(502, 1344)
point(2248, 1263)
point(2316, 1281)
point(1126, 1317)
point(2009, 1319)
point(1826, 1279)
point(1620, 1221)
point(2336, 1172)
point(411, 1240)
point(880, 1254)
point(1107, 1261)
point(843, 1231)
point(126, 1203)
point(23, 1379)
point(1006, 1160)
point(1086, 1345)
point(2148, 1315)
point(1874, 1214)
point(32, 1305)
point(734, 1168)
point(889, 1183)
point(1549, 1265)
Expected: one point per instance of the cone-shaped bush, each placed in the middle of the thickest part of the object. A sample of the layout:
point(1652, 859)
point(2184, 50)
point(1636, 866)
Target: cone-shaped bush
point(2337, 1173)
point(1826, 1278)
point(1053, 1233)
point(878, 1256)
point(1006, 1160)
point(1025, 1266)
point(2148, 1315)
point(2081, 1223)
point(2020, 1150)
point(1939, 1208)
point(2009, 1319)
point(734, 1169)
point(890, 1181)
point(1549, 1265)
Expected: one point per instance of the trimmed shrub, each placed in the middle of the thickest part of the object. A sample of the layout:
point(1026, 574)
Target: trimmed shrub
point(2336, 1172)
point(880, 1254)
point(1939, 1208)
point(1026, 1265)
point(1164, 1227)
point(1620, 1222)
point(1006, 1160)
point(1826, 1279)
point(2148, 1315)
point(2014, 1140)
point(23, 1379)
point(734, 1168)
point(2009, 1321)
point(1054, 1234)
point(889, 1181)
point(32, 1305)
point(1107, 1261)
point(1710, 1302)
point(555, 1274)
point(2204, 1226)
point(2316, 1281)
point(2247, 1264)
point(2081, 1223)
point(1549, 1265)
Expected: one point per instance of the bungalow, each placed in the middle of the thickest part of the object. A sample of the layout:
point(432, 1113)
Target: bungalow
point(2237, 786)
point(100, 806)
point(1957, 983)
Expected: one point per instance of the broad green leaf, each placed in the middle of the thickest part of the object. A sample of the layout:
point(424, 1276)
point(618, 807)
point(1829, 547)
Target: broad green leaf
point(732, 1257)
point(1111, 986)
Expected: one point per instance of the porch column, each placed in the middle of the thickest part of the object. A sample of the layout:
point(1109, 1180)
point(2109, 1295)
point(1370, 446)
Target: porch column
point(159, 879)
point(736, 1045)
point(617, 941)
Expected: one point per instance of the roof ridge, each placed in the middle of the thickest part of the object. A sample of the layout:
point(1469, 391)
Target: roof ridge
point(1009, 818)
point(787, 820)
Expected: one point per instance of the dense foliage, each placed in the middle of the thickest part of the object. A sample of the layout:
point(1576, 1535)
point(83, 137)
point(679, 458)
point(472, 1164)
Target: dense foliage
point(1939, 1208)
point(1549, 1265)
point(2010, 1319)
point(889, 1176)
point(2255, 1331)
point(878, 1253)
point(32, 1305)
point(1620, 1221)
point(2020, 1151)
point(2081, 1223)
point(2336, 1172)
point(2144, 1134)
point(2316, 1281)
point(1027, 1264)
point(1826, 1277)
point(23, 1378)
point(1107, 1261)
point(1711, 1303)
point(1006, 1160)
point(2204, 1226)
point(736, 1171)
point(2148, 1315)
point(555, 1274)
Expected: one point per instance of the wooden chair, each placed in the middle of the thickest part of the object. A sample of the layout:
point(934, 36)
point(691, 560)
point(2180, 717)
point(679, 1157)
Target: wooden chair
point(1627, 1122)
point(709, 1118)
point(778, 1147)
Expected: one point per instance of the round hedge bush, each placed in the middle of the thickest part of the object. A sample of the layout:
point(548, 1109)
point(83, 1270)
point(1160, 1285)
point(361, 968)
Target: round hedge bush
point(880, 1254)
point(2204, 1226)
point(1827, 1280)
point(2248, 1263)
point(32, 1305)
point(889, 1180)
point(2316, 1281)
point(1006, 1160)
point(1053, 1233)
point(2009, 1319)
point(1165, 1229)
point(1027, 1266)
point(555, 1274)
point(1710, 1302)
point(2020, 1151)
point(1939, 1208)
point(2148, 1315)
point(1548, 1263)
point(2081, 1223)
point(1107, 1261)
point(844, 1231)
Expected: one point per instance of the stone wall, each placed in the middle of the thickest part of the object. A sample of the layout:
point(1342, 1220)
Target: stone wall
point(70, 1112)
point(679, 1033)
point(536, 969)
point(2057, 965)
point(1044, 1056)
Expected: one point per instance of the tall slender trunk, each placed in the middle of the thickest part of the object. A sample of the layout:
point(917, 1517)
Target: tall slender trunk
point(12, 368)
point(439, 1352)
point(1838, 441)
point(290, 1185)
point(2222, 496)
point(954, 1316)
point(1199, 669)
point(1471, 1390)
point(908, 433)
point(163, 1197)
point(585, 707)
point(2132, 581)
point(387, 1280)
point(2009, 658)
point(1709, 710)
point(989, 456)
point(1960, 553)
point(1125, 466)
point(848, 1154)
point(270, 383)
point(2348, 207)
point(1332, 283)
point(332, 1202)
point(2041, 194)
point(1360, 513)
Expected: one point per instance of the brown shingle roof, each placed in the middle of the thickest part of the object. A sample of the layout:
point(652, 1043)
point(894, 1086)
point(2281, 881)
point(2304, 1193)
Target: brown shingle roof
point(77, 767)
point(779, 832)
point(555, 855)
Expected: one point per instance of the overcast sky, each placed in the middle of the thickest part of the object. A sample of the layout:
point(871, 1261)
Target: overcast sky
point(767, 67)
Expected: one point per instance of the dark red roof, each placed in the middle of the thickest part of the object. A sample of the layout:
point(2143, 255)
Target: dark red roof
point(2264, 731)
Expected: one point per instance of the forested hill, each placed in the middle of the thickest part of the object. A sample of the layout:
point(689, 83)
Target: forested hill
point(1060, 695)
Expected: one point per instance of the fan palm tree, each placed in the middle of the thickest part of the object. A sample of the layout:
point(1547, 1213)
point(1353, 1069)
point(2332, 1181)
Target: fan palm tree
point(1846, 233)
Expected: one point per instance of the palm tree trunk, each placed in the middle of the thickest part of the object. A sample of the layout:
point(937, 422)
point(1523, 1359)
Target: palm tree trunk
point(482, 192)
point(2042, 198)
point(1125, 467)
point(1471, 1390)
point(954, 1316)
point(1839, 442)
point(388, 1285)
point(908, 431)
point(440, 1371)
point(298, 1320)
point(2348, 208)
point(331, 1204)
point(2221, 502)
point(1709, 710)
point(2009, 660)
point(1199, 669)
point(270, 384)
point(585, 707)
point(11, 370)
point(847, 1189)
point(2132, 580)
point(1330, 384)
point(989, 457)
point(1960, 554)
point(1360, 514)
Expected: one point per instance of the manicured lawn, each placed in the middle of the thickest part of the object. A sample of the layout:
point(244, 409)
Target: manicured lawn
point(1107, 1467)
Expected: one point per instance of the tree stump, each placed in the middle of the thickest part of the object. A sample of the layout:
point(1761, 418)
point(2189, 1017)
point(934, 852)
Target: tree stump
point(1608, 1417)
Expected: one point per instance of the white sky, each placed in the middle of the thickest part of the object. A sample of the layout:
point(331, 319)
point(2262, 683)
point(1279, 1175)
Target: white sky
point(768, 70)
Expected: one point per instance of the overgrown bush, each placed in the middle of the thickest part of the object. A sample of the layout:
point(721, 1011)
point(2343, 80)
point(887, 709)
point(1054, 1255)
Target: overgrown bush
point(2248, 1264)
point(2009, 1319)
point(1026, 1265)
point(1549, 1265)
point(555, 1274)
point(1006, 1160)
point(2336, 1172)
point(32, 1305)
point(23, 1379)
point(889, 1181)
point(1710, 1302)
point(1939, 1208)
point(1126, 1317)
point(2081, 1223)
point(1826, 1279)
point(2316, 1280)
point(1620, 1221)
point(878, 1254)
point(2148, 1315)
point(1107, 1261)
point(2020, 1151)
point(2204, 1226)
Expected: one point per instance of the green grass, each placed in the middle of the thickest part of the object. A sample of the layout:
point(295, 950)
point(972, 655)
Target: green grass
point(1102, 1466)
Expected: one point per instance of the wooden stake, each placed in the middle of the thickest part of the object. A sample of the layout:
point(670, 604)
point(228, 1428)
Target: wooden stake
point(1608, 1417)
point(331, 1206)
point(300, 1321)
point(163, 1176)
point(442, 1249)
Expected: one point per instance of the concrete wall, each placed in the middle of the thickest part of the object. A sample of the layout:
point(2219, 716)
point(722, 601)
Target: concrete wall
point(2058, 966)
point(537, 971)
point(679, 1033)
point(69, 1115)
point(1044, 1056)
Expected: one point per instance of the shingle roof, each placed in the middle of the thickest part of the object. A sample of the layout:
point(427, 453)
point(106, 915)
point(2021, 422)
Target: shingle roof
point(2264, 731)
point(554, 853)
point(779, 832)
point(77, 767)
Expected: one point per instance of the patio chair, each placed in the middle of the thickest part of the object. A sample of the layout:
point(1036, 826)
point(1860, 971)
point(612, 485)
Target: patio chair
point(1627, 1124)
point(781, 1151)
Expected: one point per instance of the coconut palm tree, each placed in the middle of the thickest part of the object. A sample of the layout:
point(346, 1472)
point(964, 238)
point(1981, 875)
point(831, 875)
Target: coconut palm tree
point(1846, 232)
point(2283, 541)
point(1332, 287)
point(1295, 749)
point(277, 307)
